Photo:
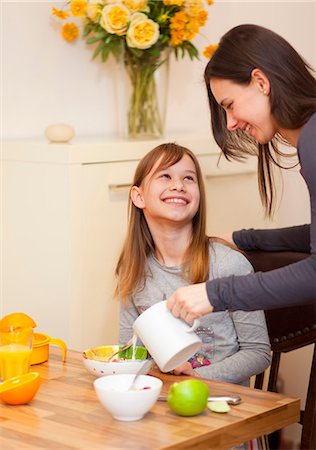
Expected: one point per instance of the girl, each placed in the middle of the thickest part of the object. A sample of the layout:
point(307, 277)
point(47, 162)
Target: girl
point(166, 247)
point(260, 92)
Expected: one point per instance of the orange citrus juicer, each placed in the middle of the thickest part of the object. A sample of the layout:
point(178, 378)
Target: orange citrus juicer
point(41, 341)
point(21, 389)
point(40, 351)
point(16, 320)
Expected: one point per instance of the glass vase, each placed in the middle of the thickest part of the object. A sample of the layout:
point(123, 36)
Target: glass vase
point(143, 93)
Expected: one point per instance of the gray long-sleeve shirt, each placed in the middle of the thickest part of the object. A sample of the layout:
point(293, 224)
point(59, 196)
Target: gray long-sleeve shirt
point(235, 345)
point(288, 286)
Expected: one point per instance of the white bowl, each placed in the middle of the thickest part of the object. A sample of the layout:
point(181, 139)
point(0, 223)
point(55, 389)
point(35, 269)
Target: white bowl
point(125, 405)
point(99, 368)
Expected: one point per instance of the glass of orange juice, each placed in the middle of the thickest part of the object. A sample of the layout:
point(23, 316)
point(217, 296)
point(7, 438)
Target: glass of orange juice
point(15, 351)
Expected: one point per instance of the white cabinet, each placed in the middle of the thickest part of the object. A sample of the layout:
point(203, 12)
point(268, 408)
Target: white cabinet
point(64, 214)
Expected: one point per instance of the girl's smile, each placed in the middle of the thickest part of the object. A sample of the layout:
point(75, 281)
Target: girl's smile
point(176, 200)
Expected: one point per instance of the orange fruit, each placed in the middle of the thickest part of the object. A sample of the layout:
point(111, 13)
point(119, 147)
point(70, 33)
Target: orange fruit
point(21, 389)
point(188, 398)
point(16, 320)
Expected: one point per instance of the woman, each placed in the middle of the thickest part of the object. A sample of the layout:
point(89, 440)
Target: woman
point(260, 92)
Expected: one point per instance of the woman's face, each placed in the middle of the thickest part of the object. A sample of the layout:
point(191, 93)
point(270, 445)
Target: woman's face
point(247, 108)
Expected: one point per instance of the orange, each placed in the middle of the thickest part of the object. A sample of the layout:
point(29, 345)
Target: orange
point(16, 320)
point(21, 389)
point(188, 398)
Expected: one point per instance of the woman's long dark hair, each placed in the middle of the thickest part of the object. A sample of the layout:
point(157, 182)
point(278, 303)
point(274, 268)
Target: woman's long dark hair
point(292, 94)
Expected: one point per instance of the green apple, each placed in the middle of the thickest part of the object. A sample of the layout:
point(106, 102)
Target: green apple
point(188, 398)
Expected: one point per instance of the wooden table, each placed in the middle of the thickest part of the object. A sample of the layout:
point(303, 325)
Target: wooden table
point(66, 415)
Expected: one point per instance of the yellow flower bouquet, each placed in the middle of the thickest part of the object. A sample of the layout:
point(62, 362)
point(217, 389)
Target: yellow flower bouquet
point(143, 32)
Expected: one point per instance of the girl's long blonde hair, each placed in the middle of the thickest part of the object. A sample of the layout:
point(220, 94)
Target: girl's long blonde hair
point(130, 269)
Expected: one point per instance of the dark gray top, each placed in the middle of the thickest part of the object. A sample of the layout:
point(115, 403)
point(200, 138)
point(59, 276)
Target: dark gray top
point(288, 286)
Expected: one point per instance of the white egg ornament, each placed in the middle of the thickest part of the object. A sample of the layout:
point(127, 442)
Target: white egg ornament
point(59, 133)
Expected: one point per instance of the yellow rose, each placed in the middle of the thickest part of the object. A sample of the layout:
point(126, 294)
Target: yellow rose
point(115, 18)
point(94, 10)
point(135, 5)
point(138, 16)
point(142, 33)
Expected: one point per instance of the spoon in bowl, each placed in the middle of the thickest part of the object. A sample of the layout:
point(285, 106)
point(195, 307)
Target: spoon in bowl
point(121, 349)
point(133, 383)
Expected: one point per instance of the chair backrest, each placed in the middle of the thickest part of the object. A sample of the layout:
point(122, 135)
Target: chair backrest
point(289, 329)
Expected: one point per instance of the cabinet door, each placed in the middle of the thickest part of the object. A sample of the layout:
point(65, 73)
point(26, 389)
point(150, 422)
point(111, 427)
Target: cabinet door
point(104, 199)
point(35, 262)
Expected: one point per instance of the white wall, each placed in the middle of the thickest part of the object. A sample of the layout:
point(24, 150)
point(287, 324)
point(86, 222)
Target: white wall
point(46, 80)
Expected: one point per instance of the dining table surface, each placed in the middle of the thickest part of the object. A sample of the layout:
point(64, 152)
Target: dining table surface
point(65, 414)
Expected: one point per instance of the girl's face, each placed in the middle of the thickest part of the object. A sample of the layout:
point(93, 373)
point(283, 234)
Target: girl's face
point(247, 107)
point(170, 194)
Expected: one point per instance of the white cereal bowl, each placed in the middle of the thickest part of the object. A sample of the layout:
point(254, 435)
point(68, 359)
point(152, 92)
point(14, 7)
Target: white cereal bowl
point(123, 404)
point(95, 361)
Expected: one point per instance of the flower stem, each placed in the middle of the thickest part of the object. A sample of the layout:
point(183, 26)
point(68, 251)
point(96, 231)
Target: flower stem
point(144, 117)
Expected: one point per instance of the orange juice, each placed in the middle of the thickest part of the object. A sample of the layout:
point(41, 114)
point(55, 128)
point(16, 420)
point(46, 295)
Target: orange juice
point(14, 360)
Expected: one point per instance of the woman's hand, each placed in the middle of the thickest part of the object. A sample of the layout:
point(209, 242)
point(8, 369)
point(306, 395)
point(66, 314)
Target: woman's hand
point(190, 302)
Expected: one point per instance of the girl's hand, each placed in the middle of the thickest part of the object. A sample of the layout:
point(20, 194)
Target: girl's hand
point(190, 302)
point(185, 369)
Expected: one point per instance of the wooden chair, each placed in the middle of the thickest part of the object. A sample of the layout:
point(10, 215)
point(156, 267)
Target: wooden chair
point(289, 329)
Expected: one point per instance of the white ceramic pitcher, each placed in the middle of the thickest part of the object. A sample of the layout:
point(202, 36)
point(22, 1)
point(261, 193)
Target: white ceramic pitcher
point(169, 340)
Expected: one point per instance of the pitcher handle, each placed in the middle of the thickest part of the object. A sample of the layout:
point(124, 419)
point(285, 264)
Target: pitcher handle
point(194, 326)
point(62, 345)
